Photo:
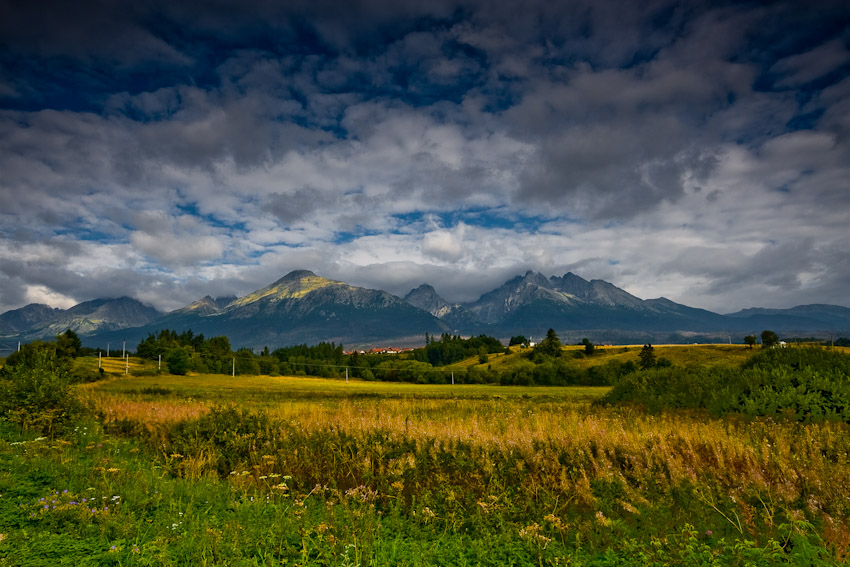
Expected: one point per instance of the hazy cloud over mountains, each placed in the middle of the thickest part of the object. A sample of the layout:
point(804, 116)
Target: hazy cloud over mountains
point(696, 150)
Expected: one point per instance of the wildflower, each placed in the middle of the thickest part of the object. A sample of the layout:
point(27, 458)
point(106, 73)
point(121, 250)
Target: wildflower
point(557, 522)
point(532, 534)
point(600, 517)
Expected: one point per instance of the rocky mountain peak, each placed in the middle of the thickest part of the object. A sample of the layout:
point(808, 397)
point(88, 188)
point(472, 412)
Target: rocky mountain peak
point(293, 285)
point(26, 317)
point(295, 275)
point(425, 297)
point(572, 284)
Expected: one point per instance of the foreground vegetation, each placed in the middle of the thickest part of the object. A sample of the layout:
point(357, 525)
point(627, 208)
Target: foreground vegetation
point(257, 470)
point(800, 384)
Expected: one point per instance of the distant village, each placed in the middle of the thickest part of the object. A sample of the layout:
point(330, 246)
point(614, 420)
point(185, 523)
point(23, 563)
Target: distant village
point(379, 350)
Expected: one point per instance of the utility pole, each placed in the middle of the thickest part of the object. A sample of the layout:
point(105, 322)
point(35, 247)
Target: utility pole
point(99, 360)
point(159, 367)
point(19, 346)
point(126, 365)
point(107, 350)
point(234, 368)
point(123, 349)
point(346, 375)
point(453, 377)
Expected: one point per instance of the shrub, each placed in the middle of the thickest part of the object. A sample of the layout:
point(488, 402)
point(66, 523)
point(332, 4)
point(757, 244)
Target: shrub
point(228, 436)
point(178, 360)
point(37, 394)
point(802, 384)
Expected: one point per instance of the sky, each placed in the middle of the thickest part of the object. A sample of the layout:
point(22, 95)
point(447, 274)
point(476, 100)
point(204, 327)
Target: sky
point(166, 150)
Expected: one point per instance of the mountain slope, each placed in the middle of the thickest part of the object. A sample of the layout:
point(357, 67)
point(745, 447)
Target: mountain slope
point(805, 315)
point(25, 318)
point(458, 317)
point(531, 303)
point(207, 305)
point(96, 315)
point(301, 308)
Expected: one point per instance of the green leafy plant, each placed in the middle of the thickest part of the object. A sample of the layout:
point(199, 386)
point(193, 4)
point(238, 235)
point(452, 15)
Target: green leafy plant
point(37, 392)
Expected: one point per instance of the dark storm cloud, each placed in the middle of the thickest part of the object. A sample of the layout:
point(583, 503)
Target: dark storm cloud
point(399, 142)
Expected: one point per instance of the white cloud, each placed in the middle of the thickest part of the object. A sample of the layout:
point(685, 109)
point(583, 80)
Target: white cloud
point(445, 245)
point(616, 144)
point(46, 296)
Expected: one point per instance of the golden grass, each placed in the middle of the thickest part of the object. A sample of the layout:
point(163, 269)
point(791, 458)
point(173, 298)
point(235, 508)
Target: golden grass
point(262, 389)
point(680, 355)
point(748, 473)
point(114, 364)
point(786, 461)
point(117, 407)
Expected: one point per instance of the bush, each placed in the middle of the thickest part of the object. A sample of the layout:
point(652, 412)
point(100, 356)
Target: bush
point(37, 392)
point(804, 384)
point(226, 435)
point(178, 361)
point(86, 375)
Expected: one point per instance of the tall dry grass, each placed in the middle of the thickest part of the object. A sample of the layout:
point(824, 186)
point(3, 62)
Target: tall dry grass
point(750, 475)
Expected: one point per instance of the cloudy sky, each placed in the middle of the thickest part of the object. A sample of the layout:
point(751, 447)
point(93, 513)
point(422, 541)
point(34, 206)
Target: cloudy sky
point(169, 150)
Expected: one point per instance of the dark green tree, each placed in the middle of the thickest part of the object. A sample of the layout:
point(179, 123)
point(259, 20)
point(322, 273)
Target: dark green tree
point(647, 357)
point(68, 345)
point(178, 360)
point(750, 340)
point(518, 340)
point(769, 339)
point(589, 347)
point(246, 363)
point(550, 346)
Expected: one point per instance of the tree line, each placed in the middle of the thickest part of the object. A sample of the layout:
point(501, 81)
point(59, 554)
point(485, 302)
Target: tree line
point(545, 364)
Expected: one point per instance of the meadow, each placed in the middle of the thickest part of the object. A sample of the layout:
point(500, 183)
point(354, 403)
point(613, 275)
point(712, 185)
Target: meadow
point(259, 470)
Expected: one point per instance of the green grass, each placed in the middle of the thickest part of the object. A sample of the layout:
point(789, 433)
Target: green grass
point(679, 355)
point(258, 470)
point(218, 387)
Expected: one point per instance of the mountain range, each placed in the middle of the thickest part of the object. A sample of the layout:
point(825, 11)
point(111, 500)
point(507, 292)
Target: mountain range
point(303, 308)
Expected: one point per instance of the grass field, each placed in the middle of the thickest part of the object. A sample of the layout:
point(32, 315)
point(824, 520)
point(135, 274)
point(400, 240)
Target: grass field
point(680, 355)
point(258, 470)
